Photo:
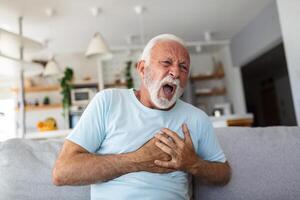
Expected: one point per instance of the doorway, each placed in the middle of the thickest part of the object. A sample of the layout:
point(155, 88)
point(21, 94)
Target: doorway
point(267, 89)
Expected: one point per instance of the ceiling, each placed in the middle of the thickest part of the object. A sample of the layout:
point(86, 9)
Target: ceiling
point(73, 25)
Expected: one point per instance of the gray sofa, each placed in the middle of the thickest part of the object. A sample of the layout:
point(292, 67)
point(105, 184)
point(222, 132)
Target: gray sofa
point(265, 165)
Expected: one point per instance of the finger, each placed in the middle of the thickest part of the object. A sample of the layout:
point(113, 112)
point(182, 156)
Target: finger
point(164, 139)
point(166, 164)
point(187, 135)
point(173, 135)
point(164, 148)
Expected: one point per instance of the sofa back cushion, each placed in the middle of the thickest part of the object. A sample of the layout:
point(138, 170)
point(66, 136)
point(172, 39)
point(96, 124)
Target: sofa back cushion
point(25, 172)
point(265, 165)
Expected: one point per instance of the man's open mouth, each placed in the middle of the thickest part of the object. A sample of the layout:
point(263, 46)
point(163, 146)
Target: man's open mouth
point(169, 89)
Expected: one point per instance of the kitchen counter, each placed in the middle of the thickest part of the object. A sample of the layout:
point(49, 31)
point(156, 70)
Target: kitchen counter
point(61, 133)
point(228, 120)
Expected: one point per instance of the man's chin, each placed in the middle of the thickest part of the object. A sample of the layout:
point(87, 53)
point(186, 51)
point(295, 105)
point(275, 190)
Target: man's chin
point(164, 103)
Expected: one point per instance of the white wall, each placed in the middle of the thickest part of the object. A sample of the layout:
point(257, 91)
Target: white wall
point(260, 35)
point(289, 12)
point(233, 81)
point(82, 66)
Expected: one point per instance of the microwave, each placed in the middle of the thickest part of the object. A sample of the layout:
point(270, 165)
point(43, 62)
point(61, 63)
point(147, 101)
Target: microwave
point(82, 96)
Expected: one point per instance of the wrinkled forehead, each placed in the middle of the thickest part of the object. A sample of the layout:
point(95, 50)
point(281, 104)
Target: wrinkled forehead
point(170, 49)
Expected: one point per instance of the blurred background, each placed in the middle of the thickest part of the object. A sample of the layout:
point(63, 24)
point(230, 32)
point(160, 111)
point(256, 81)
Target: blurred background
point(56, 55)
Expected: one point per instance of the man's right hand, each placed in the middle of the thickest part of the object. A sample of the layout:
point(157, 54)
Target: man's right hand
point(147, 154)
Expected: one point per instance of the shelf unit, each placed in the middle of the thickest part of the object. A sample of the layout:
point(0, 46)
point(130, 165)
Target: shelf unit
point(36, 89)
point(208, 77)
point(213, 92)
point(209, 90)
point(46, 88)
point(21, 40)
point(23, 45)
point(42, 107)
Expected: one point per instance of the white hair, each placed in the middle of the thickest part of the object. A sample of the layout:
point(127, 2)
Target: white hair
point(163, 37)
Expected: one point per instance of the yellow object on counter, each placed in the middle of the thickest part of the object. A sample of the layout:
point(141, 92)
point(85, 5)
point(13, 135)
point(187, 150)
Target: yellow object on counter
point(48, 125)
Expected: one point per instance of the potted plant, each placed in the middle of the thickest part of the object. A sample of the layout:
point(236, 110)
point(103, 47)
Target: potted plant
point(66, 86)
point(129, 80)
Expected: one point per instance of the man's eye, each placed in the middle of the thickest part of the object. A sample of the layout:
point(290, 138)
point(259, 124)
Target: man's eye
point(166, 63)
point(183, 67)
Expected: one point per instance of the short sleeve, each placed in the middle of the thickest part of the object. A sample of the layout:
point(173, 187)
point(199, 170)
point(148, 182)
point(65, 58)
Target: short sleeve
point(208, 145)
point(89, 132)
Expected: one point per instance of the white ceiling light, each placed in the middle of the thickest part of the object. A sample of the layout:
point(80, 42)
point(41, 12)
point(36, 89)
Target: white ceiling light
point(95, 11)
point(139, 10)
point(50, 12)
point(207, 36)
point(98, 47)
point(51, 68)
point(198, 48)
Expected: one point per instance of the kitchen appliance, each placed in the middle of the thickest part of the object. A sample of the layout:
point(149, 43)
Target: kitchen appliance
point(75, 114)
point(82, 96)
point(221, 109)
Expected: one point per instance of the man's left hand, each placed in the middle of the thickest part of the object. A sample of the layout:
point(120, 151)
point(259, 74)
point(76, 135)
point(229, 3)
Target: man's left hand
point(181, 151)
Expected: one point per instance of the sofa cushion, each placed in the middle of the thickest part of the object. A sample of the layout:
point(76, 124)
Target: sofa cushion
point(265, 165)
point(25, 172)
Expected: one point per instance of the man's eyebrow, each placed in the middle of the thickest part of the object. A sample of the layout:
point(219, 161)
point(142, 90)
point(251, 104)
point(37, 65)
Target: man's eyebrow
point(183, 62)
point(165, 58)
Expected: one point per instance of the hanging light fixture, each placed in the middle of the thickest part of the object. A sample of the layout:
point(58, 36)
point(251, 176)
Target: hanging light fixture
point(98, 48)
point(139, 10)
point(51, 68)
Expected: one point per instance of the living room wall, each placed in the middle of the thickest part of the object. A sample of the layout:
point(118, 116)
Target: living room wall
point(289, 19)
point(261, 34)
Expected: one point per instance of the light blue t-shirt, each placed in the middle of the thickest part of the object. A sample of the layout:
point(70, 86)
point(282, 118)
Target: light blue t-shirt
point(116, 122)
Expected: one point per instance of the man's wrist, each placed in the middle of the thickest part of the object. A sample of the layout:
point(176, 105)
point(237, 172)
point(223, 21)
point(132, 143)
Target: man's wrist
point(133, 162)
point(194, 167)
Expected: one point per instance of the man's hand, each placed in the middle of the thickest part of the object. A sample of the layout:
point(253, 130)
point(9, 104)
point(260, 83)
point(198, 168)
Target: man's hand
point(184, 157)
point(147, 154)
point(182, 152)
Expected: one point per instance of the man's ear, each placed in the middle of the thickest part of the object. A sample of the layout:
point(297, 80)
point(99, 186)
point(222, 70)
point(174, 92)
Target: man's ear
point(140, 66)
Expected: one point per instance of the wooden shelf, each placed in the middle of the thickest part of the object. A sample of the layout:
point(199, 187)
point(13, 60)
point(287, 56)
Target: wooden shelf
point(208, 77)
point(116, 85)
point(213, 92)
point(39, 88)
point(42, 107)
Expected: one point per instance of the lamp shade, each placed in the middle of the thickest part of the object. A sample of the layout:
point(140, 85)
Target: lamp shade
point(98, 48)
point(51, 68)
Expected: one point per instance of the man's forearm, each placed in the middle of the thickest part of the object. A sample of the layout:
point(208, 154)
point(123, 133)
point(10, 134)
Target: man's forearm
point(86, 168)
point(215, 173)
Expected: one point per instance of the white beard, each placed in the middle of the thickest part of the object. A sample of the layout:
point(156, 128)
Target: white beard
point(154, 87)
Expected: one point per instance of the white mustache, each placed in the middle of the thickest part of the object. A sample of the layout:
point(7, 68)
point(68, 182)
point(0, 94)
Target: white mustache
point(169, 79)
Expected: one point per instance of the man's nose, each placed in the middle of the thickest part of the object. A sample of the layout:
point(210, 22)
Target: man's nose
point(174, 71)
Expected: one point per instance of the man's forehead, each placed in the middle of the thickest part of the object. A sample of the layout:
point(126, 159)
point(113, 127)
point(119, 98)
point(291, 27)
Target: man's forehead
point(169, 48)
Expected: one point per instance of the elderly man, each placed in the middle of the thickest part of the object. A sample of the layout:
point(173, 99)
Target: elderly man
point(146, 143)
